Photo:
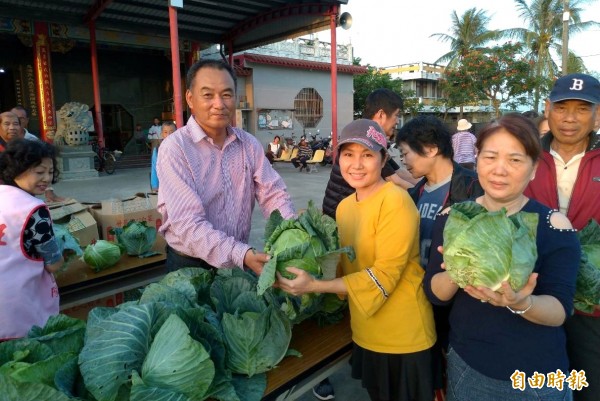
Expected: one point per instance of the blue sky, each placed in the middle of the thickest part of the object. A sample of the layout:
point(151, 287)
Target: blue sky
point(391, 32)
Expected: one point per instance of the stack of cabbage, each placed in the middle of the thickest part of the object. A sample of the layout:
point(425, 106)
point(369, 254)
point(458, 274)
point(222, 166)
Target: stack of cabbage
point(193, 336)
point(587, 292)
point(310, 243)
point(484, 248)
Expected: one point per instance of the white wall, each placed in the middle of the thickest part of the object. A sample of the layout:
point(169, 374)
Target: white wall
point(276, 87)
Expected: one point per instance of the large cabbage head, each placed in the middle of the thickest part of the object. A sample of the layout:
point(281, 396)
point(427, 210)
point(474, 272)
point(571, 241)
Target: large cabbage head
point(102, 255)
point(136, 237)
point(309, 242)
point(587, 290)
point(484, 248)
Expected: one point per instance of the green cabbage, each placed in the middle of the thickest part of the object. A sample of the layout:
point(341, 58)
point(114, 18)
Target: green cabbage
point(484, 248)
point(587, 290)
point(310, 243)
point(137, 238)
point(102, 255)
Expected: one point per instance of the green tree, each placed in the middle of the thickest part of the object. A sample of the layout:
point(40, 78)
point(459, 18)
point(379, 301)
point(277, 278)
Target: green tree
point(499, 75)
point(366, 83)
point(468, 32)
point(543, 36)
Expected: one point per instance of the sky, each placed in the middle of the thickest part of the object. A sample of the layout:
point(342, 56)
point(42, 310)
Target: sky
point(391, 32)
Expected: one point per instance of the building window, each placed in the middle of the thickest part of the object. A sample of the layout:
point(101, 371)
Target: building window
point(308, 107)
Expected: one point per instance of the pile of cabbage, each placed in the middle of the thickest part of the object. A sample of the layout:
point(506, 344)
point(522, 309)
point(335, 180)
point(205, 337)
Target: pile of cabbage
point(587, 290)
point(193, 336)
point(309, 242)
point(484, 248)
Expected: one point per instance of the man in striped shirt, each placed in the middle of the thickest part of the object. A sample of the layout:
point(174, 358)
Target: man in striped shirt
point(211, 174)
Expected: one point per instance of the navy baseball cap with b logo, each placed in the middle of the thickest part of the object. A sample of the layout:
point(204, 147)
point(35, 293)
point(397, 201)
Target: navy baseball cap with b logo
point(576, 87)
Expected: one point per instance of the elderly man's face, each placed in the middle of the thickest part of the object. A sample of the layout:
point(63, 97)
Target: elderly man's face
point(571, 121)
point(23, 119)
point(10, 127)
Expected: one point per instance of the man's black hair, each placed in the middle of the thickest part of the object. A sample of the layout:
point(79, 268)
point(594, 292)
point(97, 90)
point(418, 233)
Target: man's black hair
point(424, 131)
point(209, 63)
point(382, 99)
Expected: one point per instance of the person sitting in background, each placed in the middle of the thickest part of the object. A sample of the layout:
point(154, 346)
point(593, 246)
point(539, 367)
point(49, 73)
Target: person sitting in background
point(155, 130)
point(167, 129)
point(463, 143)
point(304, 154)
point(29, 252)
point(274, 149)
point(496, 334)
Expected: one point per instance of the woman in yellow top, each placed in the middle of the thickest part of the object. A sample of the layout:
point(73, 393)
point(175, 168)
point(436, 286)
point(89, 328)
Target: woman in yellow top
point(391, 319)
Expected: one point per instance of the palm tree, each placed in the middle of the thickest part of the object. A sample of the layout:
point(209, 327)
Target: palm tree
point(543, 36)
point(468, 32)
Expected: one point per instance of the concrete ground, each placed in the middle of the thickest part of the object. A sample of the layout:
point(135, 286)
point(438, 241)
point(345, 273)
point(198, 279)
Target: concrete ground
point(302, 188)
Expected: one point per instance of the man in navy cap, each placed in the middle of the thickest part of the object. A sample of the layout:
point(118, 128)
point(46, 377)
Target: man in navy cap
point(568, 179)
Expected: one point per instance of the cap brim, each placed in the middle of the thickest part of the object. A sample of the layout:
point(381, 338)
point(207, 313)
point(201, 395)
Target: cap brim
point(589, 99)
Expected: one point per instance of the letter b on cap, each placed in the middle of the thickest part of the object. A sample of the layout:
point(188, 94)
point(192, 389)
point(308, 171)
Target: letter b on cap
point(577, 84)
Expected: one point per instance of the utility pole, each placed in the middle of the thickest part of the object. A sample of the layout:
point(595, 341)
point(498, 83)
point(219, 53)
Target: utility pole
point(565, 37)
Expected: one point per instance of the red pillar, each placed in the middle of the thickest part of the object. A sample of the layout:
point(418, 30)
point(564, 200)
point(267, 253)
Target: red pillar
point(43, 78)
point(334, 123)
point(96, 84)
point(177, 99)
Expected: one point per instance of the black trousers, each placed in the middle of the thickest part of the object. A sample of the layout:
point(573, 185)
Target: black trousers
point(177, 260)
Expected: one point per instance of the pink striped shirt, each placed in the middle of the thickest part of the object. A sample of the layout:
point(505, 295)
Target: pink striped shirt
point(463, 143)
point(207, 194)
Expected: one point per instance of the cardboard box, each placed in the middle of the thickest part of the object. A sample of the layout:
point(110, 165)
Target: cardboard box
point(76, 218)
point(116, 213)
point(81, 311)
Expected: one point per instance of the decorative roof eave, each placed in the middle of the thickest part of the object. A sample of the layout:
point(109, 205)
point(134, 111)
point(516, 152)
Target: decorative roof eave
point(245, 58)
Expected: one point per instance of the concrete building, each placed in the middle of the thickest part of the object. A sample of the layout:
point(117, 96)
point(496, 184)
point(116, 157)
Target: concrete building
point(285, 88)
point(423, 79)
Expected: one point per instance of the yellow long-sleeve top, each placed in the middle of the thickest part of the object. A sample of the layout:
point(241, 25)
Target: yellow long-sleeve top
point(388, 308)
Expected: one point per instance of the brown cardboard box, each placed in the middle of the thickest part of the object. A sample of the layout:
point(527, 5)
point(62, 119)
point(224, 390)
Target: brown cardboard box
point(81, 311)
point(116, 213)
point(75, 217)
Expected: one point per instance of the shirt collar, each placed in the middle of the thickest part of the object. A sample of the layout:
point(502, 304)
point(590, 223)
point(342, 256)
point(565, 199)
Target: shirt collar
point(198, 134)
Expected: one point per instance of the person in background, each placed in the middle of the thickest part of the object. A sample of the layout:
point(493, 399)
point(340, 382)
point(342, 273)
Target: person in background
point(425, 143)
point(140, 138)
point(391, 320)
point(167, 129)
point(304, 154)
point(274, 149)
point(542, 124)
point(211, 174)
point(567, 179)
point(494, 335)
point(9, 128)
point(155, 129)
point(382, 106)
point(29, 252)
point(21, 112)
point(463, 143)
